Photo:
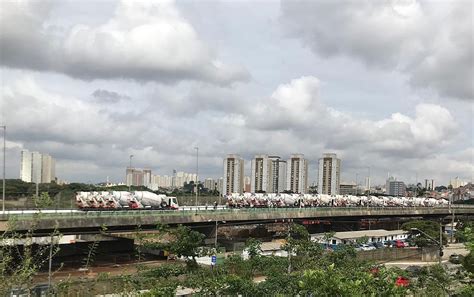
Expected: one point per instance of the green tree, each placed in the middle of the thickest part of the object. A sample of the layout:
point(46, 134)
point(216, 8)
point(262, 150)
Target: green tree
point(43, 201)
point(429, 227)
point(186, 243)
point(253, 247)
point(362, 240)
point(468, 236)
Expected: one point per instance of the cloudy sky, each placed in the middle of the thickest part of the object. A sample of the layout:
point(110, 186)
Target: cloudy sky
point(385, 84)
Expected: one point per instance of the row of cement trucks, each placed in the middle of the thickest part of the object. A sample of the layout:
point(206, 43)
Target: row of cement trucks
point(255, 200)
point(116, 200)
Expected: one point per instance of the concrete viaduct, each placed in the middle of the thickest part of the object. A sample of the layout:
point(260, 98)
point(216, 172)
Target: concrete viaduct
point(93, 221)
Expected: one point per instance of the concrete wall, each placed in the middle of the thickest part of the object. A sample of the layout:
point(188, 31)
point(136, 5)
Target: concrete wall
point(391, 254)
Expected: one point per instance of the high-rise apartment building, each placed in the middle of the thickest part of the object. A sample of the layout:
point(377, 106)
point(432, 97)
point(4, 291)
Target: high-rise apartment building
point(394, 187)
point(247, 184)
point(134, 177)
point(430, 184)
point(297, 174)
point(329, 177)
point(233, 175)
point(277, 174)
point(268, 174)
point(147, 177)
point(37, 168)
point(260, 175)
point(48, 168)
point(25, 167)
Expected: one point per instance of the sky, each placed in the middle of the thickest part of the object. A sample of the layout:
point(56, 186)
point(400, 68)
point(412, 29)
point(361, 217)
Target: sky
point(384, 84)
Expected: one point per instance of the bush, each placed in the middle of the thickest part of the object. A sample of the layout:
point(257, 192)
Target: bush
point(468, 262)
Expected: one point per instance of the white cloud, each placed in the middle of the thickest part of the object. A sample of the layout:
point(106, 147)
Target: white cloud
point(293, 118)
point(297, 107)
point(429, 41)
point(143, 41)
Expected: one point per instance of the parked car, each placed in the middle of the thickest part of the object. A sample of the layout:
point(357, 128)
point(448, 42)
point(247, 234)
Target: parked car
point(399, 244)
point(455, 259)
point(413, 269)
point(367, 247)
point(379, 245)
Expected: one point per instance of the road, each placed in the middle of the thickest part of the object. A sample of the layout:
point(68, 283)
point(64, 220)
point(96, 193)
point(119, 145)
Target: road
point(455, 248)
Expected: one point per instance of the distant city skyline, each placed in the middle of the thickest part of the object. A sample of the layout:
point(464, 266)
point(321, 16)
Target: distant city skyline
point(84, 82)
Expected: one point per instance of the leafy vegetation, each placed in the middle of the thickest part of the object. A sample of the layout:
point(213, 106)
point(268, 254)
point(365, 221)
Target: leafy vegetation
point(429, 227)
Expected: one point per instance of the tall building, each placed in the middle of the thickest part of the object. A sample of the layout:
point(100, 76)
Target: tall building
point(47, 168)
point(347, 189)
point(394, 187)
point(268, 174)
point(329, 177)
point(220, 184)
point(247, 184)
point(277, 175)
point(260, 174)
point(456, 183)
point(233, 175)
point(147, 177)
point(429, 184)
point(297, 174)
point(37, 168)
point(25, 167)
point(134, 177)
point(210, 184)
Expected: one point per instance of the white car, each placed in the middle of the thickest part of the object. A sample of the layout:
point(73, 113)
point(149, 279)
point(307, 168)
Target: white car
point(367, 247)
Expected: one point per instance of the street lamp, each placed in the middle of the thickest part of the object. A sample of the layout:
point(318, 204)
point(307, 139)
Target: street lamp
point(131, 178)
point(357, 183)
point(368, 182)
point(439, 243)
point(197, 173)
point(4, 158)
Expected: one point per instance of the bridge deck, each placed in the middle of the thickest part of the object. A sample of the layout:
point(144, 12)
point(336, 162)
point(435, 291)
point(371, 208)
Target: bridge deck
point(122, 219)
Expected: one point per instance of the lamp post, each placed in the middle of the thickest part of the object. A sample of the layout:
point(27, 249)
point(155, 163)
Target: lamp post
point(4, 162)
point(131, 178)
point(451, 210)
point(439, 243)
point(197, 174)
point(368, 182)
point(357, 183)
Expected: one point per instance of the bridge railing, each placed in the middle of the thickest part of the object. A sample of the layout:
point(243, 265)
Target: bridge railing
point(49, 214)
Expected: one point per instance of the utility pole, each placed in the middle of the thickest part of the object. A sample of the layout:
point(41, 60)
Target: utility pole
point(50, 262)
point(439, 243)
point(197, 173)
point(451, 210)
point(215, 243)
point(440, 240)
point(290, 247)
point(131, 179)
point(368, 182)
point(4, 162)
point(357, 183)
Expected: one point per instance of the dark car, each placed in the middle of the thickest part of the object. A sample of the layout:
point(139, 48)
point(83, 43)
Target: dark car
point(455, 259)
point(413, 269)
point(379, 245)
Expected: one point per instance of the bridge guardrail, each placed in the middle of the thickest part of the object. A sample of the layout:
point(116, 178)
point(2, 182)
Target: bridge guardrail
point(49, 214)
